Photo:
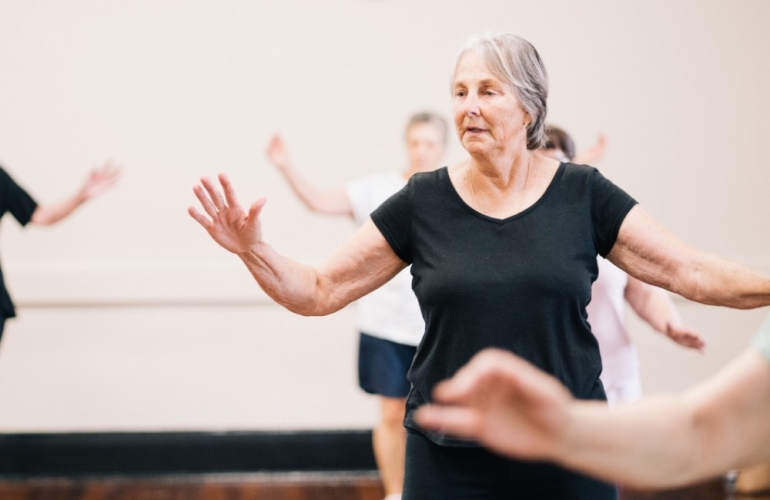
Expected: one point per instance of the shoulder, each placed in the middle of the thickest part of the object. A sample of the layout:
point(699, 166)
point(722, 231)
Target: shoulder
point(427, 178)
point(427, 181)
point(574, 171)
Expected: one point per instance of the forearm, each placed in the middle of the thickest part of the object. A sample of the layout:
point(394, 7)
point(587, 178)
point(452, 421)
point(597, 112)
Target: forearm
point(711, 280)
point(661, 441)
point(291, 284)
point(647, 444)
point(53, 213)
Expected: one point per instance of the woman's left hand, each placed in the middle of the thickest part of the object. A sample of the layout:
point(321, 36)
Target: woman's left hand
point(685, 336)
point(100, 180)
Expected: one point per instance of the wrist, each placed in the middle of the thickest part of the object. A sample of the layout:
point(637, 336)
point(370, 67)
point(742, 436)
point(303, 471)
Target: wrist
point(254, 253)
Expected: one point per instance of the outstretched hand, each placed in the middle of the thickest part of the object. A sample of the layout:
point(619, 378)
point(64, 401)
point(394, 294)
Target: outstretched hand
point(277, 152)
point(227, 223)
point(594, 153)
point(504, 403)
point(99, 180)
point(685, 336)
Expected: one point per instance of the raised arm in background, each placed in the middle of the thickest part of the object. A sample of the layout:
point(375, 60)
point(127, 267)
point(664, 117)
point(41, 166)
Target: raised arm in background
point(362, 264)
point(656, 308)
point(334, 202)
point(98, 181)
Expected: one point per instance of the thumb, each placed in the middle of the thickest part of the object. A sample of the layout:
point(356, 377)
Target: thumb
point(256, 208)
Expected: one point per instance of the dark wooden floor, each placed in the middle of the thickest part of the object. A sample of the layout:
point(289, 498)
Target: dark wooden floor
point(262, 487)
point(257, 487)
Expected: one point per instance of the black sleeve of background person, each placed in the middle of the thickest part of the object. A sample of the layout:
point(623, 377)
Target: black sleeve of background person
point(394, 220)
point(15, 199)
point(609, 207)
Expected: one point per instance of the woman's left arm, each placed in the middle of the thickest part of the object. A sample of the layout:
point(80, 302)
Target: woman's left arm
point(98, 181)
point(647, 251)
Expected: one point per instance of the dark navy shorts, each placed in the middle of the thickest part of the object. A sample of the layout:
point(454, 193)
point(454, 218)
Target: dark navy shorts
point(382, 366)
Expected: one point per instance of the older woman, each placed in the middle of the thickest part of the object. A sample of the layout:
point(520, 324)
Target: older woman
point(503, 251)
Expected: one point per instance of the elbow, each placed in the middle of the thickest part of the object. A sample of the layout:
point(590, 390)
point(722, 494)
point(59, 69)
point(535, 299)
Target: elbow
point(320, 304)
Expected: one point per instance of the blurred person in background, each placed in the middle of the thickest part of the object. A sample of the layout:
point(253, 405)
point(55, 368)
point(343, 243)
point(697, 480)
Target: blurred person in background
point(17, 201)
point(389, 320)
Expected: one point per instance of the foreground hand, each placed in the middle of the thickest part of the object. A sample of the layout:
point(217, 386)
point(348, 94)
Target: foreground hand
point(227, 222)
point(504, 403)
point(685, 336)
point(100, 180)
point(277, 152)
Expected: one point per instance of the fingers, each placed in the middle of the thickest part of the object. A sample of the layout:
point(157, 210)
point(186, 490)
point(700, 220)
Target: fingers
point(476, 377)
point(227, 187)
point(206, 203)
point(214, 195)
point(685, 337)
point(202, 220)
point(454, 420)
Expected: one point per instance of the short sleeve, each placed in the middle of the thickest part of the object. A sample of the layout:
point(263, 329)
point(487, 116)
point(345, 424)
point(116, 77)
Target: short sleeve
point(14, 199)
point(394, 220)
point(609, 207)
point(762, 339)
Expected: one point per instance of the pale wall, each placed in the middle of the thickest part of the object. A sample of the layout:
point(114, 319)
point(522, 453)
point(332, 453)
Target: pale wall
point(132, 319)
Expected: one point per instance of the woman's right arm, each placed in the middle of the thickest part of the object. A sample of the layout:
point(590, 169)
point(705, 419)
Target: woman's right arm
point(361, 265)
point(328, 203)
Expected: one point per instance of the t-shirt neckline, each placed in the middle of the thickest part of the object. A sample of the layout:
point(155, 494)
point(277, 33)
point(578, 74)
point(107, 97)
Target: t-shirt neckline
point(445, 176)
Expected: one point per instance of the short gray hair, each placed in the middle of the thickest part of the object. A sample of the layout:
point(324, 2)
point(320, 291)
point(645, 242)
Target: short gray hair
point(515, 61)
point(431, 119)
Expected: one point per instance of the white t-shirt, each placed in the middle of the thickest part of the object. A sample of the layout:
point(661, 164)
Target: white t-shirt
point(607, 316)
point(391, 312)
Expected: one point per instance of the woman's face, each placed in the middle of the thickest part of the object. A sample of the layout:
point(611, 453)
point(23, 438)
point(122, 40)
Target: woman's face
point(488, 116)
point(424, 146)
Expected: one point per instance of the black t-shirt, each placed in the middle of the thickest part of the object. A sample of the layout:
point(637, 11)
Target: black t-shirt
point(520, 284)
point(20, 204)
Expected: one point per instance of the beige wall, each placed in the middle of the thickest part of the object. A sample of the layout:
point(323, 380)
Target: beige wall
point(132, 319)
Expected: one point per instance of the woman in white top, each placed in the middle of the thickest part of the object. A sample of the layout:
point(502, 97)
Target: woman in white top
point(609, 295)
point(389, 319)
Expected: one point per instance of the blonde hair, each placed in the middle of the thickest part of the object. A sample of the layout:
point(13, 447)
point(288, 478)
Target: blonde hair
point(431, 119)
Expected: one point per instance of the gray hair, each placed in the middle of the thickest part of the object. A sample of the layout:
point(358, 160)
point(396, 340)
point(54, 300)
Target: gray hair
point(515, 61)
point(431, 119)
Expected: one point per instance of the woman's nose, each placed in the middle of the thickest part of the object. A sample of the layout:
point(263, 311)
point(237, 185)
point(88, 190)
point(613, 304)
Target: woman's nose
point(471, 105)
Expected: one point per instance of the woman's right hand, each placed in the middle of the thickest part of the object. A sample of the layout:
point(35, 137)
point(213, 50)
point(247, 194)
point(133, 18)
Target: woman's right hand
point(228, 223)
